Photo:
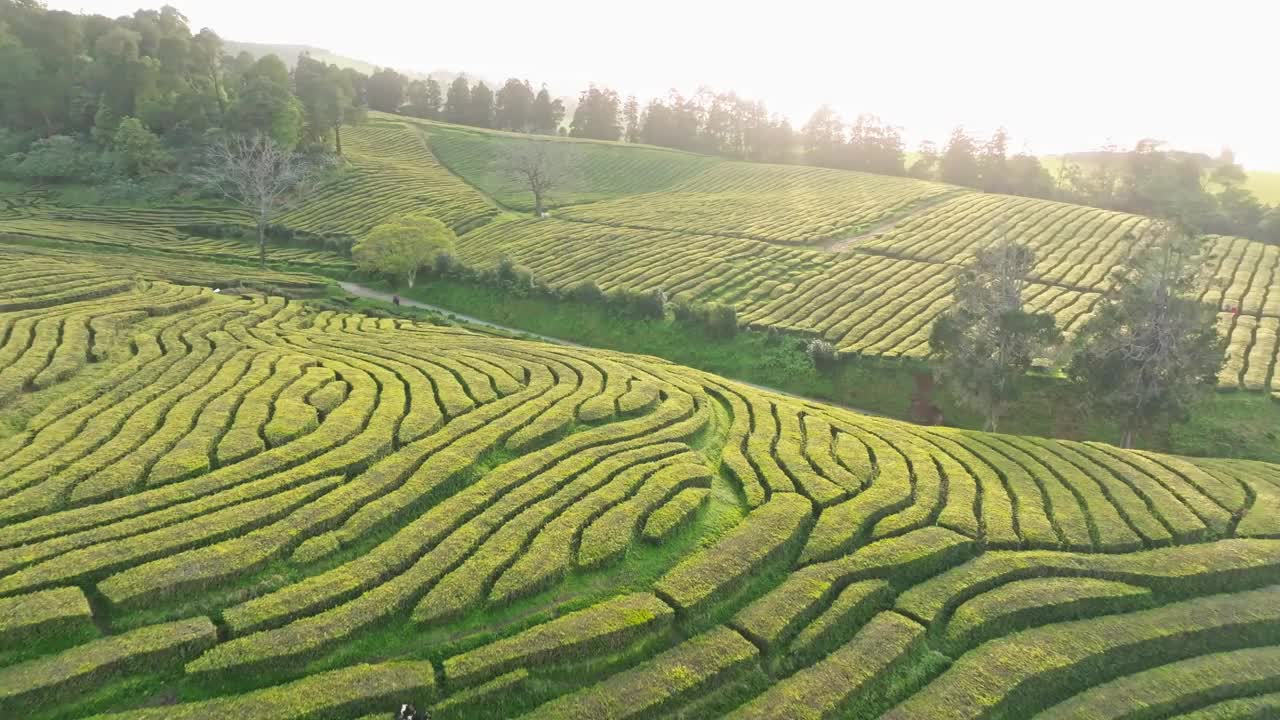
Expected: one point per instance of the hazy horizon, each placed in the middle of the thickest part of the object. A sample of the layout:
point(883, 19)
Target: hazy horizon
point(1064, 78)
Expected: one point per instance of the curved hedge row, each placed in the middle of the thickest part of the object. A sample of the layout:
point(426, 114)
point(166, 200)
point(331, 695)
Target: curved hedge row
point(563, 531)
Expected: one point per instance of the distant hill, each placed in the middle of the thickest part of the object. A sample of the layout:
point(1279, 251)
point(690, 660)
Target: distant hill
point(290, 53)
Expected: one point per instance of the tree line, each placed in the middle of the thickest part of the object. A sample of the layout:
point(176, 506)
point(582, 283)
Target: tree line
point(91, 98)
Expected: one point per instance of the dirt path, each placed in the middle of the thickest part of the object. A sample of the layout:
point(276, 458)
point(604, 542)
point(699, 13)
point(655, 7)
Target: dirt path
point(369, 293)
point(845, 243)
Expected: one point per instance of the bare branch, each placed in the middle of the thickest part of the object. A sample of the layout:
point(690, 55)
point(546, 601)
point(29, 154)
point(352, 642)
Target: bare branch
point(255, 173)
point(540, 167)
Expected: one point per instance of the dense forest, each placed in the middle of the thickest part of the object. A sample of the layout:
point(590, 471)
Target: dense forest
point(85, 98)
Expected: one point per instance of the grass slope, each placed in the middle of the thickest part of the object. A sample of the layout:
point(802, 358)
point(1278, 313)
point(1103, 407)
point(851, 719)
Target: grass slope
point(466, 523)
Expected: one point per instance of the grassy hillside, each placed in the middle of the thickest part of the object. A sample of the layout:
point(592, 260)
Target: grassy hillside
point(864, 261)
point(595, 171)
point(220, 505)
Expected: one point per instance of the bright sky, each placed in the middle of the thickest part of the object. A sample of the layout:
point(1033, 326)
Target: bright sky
point(1060, 76)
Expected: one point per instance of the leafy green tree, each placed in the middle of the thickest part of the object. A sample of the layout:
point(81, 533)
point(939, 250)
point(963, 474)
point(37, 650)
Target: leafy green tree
point(823, 137)
point(424, 99)
point(1027, 177)
point(401, 247)
point(457, 104)
point(993, 163)
point(987, 340)
point(435, 98)
point(959, 162)
point(386, 90)
point(1269, 226)
point(1226, 172)
point(925, 166)
point(873, 146)
point(1151, 348)
point(265, 105)
point(480, 110)
point(631, 114)
point(547, 114)
point(327, 97)
point(513, 106)
point(596, 116)
point(139, 149)
point(57, 158)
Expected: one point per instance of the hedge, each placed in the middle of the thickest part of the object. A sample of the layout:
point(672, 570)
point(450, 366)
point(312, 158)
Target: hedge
point(838, 456)
point(1111, 532)
point(1017, 675)
point(1029, 603)
point(766, 533)
point(1176, 687)
point(833, 686)
point(1131, 505)
point(608, 624)
point(733, 454)
point(551, 554)
point(192, 455)
point(332, 695)
point(465, 702)
point(1179, 571)
point(790, 452)
point(674, 513)
point(1260, 707)
point(1185, 525)
point(997, 515)
point(44, 614)
point(657, 684)
point(851, 609)
point(781, 612)
point(107, 556)
point(50, 678)
point(465, 587)
point(840, 527)
point(607, 538)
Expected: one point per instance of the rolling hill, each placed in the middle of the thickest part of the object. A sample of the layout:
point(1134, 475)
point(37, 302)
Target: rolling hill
point(238, 505)
point(864, 261)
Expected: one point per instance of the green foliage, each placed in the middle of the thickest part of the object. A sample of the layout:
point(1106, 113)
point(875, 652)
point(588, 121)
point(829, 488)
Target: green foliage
point(987, 341)
point(1152, 346)
point(264, 104)
point(139, 148)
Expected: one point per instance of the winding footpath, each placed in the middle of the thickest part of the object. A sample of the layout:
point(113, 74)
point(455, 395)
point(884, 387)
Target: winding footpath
point(368, 293)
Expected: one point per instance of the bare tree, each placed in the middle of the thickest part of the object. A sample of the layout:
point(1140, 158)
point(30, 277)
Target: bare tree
point(539, 167)
point(260, 176)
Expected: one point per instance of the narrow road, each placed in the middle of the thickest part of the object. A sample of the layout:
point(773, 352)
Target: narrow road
point(369, 293)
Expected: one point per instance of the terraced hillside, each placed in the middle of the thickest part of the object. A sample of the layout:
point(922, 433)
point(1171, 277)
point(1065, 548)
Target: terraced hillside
point(864, 261)
point(218, 506)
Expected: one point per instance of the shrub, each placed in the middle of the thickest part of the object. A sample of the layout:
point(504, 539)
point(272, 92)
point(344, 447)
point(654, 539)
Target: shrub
point(586, 292)
point(446, 264)
point(823, 354)
point(651, 304)
point(721, 320)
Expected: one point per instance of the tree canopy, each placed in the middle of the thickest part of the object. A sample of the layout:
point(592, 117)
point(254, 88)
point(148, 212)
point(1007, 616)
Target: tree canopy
point(987, 341)
point(1151, 347)
point(401, 247)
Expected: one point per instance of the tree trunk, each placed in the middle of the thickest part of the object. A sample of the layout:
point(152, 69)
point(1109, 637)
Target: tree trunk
point(413, 274)
point(1126, 439)
point(337, 138)
point(537, 203)
point(262, 243)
